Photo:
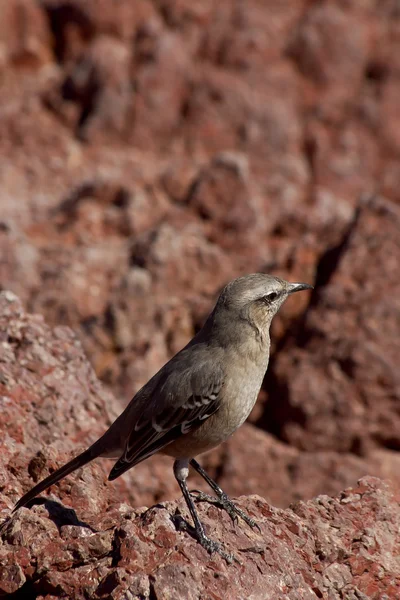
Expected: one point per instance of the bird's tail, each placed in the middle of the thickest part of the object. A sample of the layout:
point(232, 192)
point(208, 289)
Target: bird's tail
point(72, 465)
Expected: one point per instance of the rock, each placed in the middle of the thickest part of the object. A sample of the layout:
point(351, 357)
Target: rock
point(150, 153)
point(319, 549)
point(104, 108)
point(45, 376)
point(258, 128)
point(331, 46)
point(53, 405)
point(253, 461)
point(25, 37)
point(83, 539)
point(339, 387)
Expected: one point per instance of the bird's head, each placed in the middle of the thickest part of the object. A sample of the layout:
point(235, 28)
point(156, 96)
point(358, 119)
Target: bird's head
point(256, 299)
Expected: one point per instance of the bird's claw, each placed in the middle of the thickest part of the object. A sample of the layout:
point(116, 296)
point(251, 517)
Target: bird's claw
point(230, 507)
point(210, 545)
point(203, 497)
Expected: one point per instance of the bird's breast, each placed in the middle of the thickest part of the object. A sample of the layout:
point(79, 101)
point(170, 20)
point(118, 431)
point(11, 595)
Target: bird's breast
point(242, 389)
point(238, 396)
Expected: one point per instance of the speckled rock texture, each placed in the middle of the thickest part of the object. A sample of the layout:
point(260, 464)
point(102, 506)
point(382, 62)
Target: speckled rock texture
point(163, 147)
point(344, 394)
point(83, 539)
point(52, 404)
point(330, 548)
point(149, 152)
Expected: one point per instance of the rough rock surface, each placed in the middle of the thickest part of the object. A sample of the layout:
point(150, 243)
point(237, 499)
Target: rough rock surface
point(82, 538)
point(52, 405)
point(340, 388)
point(142, 145)
point(152, 150)
point(329, 548)
point(46, 376)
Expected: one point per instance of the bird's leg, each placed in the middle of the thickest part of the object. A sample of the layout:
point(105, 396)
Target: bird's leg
point(223, 499)
point(181, 472)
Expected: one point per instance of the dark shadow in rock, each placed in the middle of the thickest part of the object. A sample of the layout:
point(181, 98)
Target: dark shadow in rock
point(59, 514)
point(26, 592)
point(182, 525)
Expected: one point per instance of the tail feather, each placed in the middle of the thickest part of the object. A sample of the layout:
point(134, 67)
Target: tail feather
point(80, 460)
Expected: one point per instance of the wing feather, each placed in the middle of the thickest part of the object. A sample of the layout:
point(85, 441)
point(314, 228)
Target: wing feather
point(182, 399)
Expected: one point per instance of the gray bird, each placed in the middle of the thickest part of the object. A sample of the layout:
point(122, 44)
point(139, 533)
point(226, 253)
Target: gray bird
point(199, 398)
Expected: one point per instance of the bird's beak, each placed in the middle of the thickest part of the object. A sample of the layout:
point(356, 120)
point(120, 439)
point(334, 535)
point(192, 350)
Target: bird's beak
point(298, 287)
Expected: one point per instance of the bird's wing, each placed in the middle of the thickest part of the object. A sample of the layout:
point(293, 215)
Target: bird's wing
point(183, 398)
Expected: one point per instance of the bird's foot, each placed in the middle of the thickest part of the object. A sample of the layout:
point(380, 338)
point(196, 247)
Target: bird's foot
point(208, 544)
point(212, 546)
point(230, 507)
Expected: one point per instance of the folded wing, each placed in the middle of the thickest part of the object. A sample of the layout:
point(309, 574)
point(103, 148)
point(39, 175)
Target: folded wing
point(181, 400)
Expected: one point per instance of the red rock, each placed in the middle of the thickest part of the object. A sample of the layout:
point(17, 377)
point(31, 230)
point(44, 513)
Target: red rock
point(86, 542)
point(220, 195)
point(283, 117)
point(342, 394)
point(149, 88)
point(253, 461)
point(281, 561)
point(38, 435)
point(24, 36)
point(331, 45)
point(104, 108)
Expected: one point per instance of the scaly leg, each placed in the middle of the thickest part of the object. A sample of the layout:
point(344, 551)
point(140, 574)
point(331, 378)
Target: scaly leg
point(181, 472)
point(223, 499)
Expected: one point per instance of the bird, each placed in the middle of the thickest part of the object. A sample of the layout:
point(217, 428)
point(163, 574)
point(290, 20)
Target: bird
point(198, 399)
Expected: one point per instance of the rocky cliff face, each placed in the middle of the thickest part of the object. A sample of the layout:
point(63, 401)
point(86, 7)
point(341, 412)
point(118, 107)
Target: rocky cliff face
point(83, 539)
point(151, 151)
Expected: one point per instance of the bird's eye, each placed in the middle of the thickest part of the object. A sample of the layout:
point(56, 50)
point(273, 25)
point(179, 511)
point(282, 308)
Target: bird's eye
point(271, 296)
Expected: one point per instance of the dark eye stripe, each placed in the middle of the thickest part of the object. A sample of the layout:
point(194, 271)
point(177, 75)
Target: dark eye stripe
point(270, 297)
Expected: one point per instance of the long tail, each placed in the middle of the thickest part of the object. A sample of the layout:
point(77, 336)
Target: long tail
point(80, 460)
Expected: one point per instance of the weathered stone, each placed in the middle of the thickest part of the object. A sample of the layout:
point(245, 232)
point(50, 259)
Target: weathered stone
point(149, 152)
point(339, 388)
